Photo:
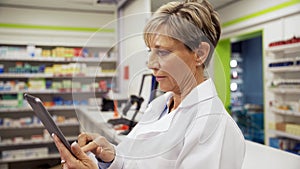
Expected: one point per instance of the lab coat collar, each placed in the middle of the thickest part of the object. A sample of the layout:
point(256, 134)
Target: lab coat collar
point(150, 123)
point(204, 91)
point(156, 107)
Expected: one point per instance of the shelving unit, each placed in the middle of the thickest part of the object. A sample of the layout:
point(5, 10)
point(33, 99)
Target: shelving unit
point(24, 109)
point(24, 137)
point(246, 87)
point(19, 131)
point(42, 75)
point(52, 91)
point(236, 83)
point(285, 112)
point(285, 134)
point(282, 96)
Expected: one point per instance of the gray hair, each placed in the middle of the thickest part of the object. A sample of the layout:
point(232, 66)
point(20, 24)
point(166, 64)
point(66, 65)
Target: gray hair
point(191, 22)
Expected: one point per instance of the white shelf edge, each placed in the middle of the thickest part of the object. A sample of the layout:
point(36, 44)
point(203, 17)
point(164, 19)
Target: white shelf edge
point(294, 47)
point(238, 81)
point(6, 110)
point(284, 69)
point(236, 94)
point(238, 70)
point(30, 142)
point(285, 112)
point(284, 134)
point(285, 90)
point(237, 108)
point(50, 91)
point(44, 75)
point(38, 126)
point(56, 59)
point(48, 156)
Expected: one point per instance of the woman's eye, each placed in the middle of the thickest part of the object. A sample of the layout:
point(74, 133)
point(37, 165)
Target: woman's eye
point(162, 52)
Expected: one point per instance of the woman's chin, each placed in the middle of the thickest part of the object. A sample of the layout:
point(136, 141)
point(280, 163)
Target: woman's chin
point(163, 89)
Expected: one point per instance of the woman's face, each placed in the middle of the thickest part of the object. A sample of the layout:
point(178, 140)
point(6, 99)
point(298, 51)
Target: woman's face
point(172, 63)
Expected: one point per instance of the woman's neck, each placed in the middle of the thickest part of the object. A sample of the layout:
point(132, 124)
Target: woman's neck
point(178, 97)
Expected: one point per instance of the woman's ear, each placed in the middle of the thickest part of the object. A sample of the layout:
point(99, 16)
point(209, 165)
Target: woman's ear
point(202, 53)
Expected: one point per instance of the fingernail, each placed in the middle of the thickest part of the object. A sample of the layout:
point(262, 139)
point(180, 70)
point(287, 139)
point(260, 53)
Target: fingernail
point(52, 134)
point(74, 143)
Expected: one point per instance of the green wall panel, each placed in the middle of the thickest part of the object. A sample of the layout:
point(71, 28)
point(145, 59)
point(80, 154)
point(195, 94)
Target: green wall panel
point(222, 71)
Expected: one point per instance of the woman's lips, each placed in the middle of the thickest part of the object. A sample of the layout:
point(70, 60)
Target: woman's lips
point(160, 78)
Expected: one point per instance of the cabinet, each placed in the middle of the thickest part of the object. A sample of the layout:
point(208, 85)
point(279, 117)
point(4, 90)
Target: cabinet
point(282, 96)
point(64, 78)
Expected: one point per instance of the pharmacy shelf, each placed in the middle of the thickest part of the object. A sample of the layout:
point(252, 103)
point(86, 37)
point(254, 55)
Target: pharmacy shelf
point(285, 112)
point(37, 126)
point(238, 70)
point(275, 54)
point(236, 94)
point(285, 90)
point(57, 59)
point(44, 75)
point(14, 160)
point(27, 143)
point(70, 128)
point(237, 108)
point(284, 69)
point(25, 109)
point(285, 134)
point(238, 81)
point(52, 91)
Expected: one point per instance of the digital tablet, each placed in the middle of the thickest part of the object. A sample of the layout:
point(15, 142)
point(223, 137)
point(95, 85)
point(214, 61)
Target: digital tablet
point(45, 117)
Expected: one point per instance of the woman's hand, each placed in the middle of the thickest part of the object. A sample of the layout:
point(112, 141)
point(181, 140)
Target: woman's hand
point(98, 145)
point(82, 161)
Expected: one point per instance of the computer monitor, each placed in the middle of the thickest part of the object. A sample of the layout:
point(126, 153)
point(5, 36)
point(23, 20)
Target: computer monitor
point(147, 90)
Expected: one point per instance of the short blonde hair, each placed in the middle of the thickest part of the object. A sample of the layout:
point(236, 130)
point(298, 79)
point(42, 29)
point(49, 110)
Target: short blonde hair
point(190, 22)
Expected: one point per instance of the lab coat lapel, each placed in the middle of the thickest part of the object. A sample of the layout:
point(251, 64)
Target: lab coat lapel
point(150, 122)
point(155, 109)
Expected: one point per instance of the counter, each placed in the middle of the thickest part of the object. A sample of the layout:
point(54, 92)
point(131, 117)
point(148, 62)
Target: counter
point(93, 120)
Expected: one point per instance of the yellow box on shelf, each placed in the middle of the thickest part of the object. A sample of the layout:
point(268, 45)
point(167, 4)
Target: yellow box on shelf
point(57, 68)
point(272, 126)
point(49, 70)
point(293, 129)
point(37, 84)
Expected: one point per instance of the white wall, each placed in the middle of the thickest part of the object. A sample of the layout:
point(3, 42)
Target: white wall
point(133, 51)
point(242, 9)
point(51, 22)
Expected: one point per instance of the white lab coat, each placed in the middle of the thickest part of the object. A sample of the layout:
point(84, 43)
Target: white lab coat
point(199, 134)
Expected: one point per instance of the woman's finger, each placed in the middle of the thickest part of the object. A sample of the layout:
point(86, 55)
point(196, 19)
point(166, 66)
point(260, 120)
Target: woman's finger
point(78, 152)
point(83, 138)
point(84, 161)
point(101, 141)
point(91, 146)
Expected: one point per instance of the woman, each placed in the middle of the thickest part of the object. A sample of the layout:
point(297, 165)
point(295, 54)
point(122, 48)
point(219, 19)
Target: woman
point(187, 127)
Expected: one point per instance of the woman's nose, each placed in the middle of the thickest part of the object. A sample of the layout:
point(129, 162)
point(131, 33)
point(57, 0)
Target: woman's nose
point(153, 62)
